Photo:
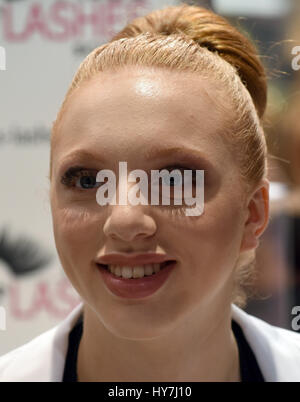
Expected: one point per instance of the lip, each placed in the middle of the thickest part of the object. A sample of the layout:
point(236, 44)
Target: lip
point(137, 288)
point(133, 259)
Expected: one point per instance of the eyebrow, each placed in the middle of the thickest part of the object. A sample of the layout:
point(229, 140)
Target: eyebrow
point(151, 153)
point(158, 152)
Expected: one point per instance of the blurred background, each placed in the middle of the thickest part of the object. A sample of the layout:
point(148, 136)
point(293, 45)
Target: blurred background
point(41, 45)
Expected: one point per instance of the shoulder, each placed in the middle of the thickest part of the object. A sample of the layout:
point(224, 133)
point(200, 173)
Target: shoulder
point(42, 358)
point(20, 361)
point(274, 333)
point(276, 349)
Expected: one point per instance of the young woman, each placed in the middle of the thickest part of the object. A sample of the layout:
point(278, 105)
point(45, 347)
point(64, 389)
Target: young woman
point(161, 291)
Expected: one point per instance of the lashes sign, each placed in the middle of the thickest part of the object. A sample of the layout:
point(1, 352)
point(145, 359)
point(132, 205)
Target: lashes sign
point(110, 187)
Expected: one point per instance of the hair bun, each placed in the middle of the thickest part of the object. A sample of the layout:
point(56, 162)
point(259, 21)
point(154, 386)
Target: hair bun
point(214, 32)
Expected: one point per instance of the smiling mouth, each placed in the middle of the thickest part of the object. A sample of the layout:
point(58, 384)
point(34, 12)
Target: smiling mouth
point(154, 271)
point(162, 265)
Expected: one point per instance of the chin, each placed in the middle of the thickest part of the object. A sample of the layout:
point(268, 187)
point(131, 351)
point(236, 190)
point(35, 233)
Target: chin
point(129, 325)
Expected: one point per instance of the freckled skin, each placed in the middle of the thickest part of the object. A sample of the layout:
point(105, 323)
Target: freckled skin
point(117, 116)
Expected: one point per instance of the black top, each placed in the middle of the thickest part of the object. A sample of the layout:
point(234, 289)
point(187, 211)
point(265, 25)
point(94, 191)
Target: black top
point(250, 371)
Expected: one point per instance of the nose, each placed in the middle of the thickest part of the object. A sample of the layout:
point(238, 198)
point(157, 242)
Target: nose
point(128, 222)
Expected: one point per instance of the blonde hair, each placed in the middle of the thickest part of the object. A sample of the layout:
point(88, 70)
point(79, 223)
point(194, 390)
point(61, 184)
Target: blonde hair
point(194, 39)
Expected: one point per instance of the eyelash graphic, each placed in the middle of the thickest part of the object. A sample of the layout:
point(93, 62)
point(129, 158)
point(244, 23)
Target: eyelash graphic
point(22, 255)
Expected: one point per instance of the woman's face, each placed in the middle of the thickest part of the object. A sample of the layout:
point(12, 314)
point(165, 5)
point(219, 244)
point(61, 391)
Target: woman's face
point(126, 116)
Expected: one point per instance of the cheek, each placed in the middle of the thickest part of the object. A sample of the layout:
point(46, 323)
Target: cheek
point(210, 245)
point(77, 233)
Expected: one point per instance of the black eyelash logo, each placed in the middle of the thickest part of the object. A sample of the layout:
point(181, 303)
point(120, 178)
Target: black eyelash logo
point(22, 255)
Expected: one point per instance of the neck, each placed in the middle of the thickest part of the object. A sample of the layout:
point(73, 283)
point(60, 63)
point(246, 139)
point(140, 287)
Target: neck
point(206, 351)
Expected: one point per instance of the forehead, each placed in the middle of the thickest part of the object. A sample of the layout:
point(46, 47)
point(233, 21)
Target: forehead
point(131, 108)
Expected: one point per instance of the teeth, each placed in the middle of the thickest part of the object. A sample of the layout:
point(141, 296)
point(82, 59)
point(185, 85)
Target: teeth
point(134, 272)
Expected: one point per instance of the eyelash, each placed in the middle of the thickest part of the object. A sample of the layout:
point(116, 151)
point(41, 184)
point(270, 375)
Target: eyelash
point(75, 172)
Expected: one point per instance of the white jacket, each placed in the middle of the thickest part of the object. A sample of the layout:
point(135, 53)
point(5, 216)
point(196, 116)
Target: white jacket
point(277, 351)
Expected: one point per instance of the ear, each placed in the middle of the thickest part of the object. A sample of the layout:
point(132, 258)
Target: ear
point(257, 216)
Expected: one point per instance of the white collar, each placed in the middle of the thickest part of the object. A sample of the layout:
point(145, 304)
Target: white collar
point(277, 350)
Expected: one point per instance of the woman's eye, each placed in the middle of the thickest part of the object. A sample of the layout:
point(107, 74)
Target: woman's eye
point(85, 179)
point(87, 182)
point(178, 177)
point(80, 178)
point(174, 180)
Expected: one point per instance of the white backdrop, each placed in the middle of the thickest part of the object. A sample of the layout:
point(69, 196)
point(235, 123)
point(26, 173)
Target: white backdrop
point(44, 42)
